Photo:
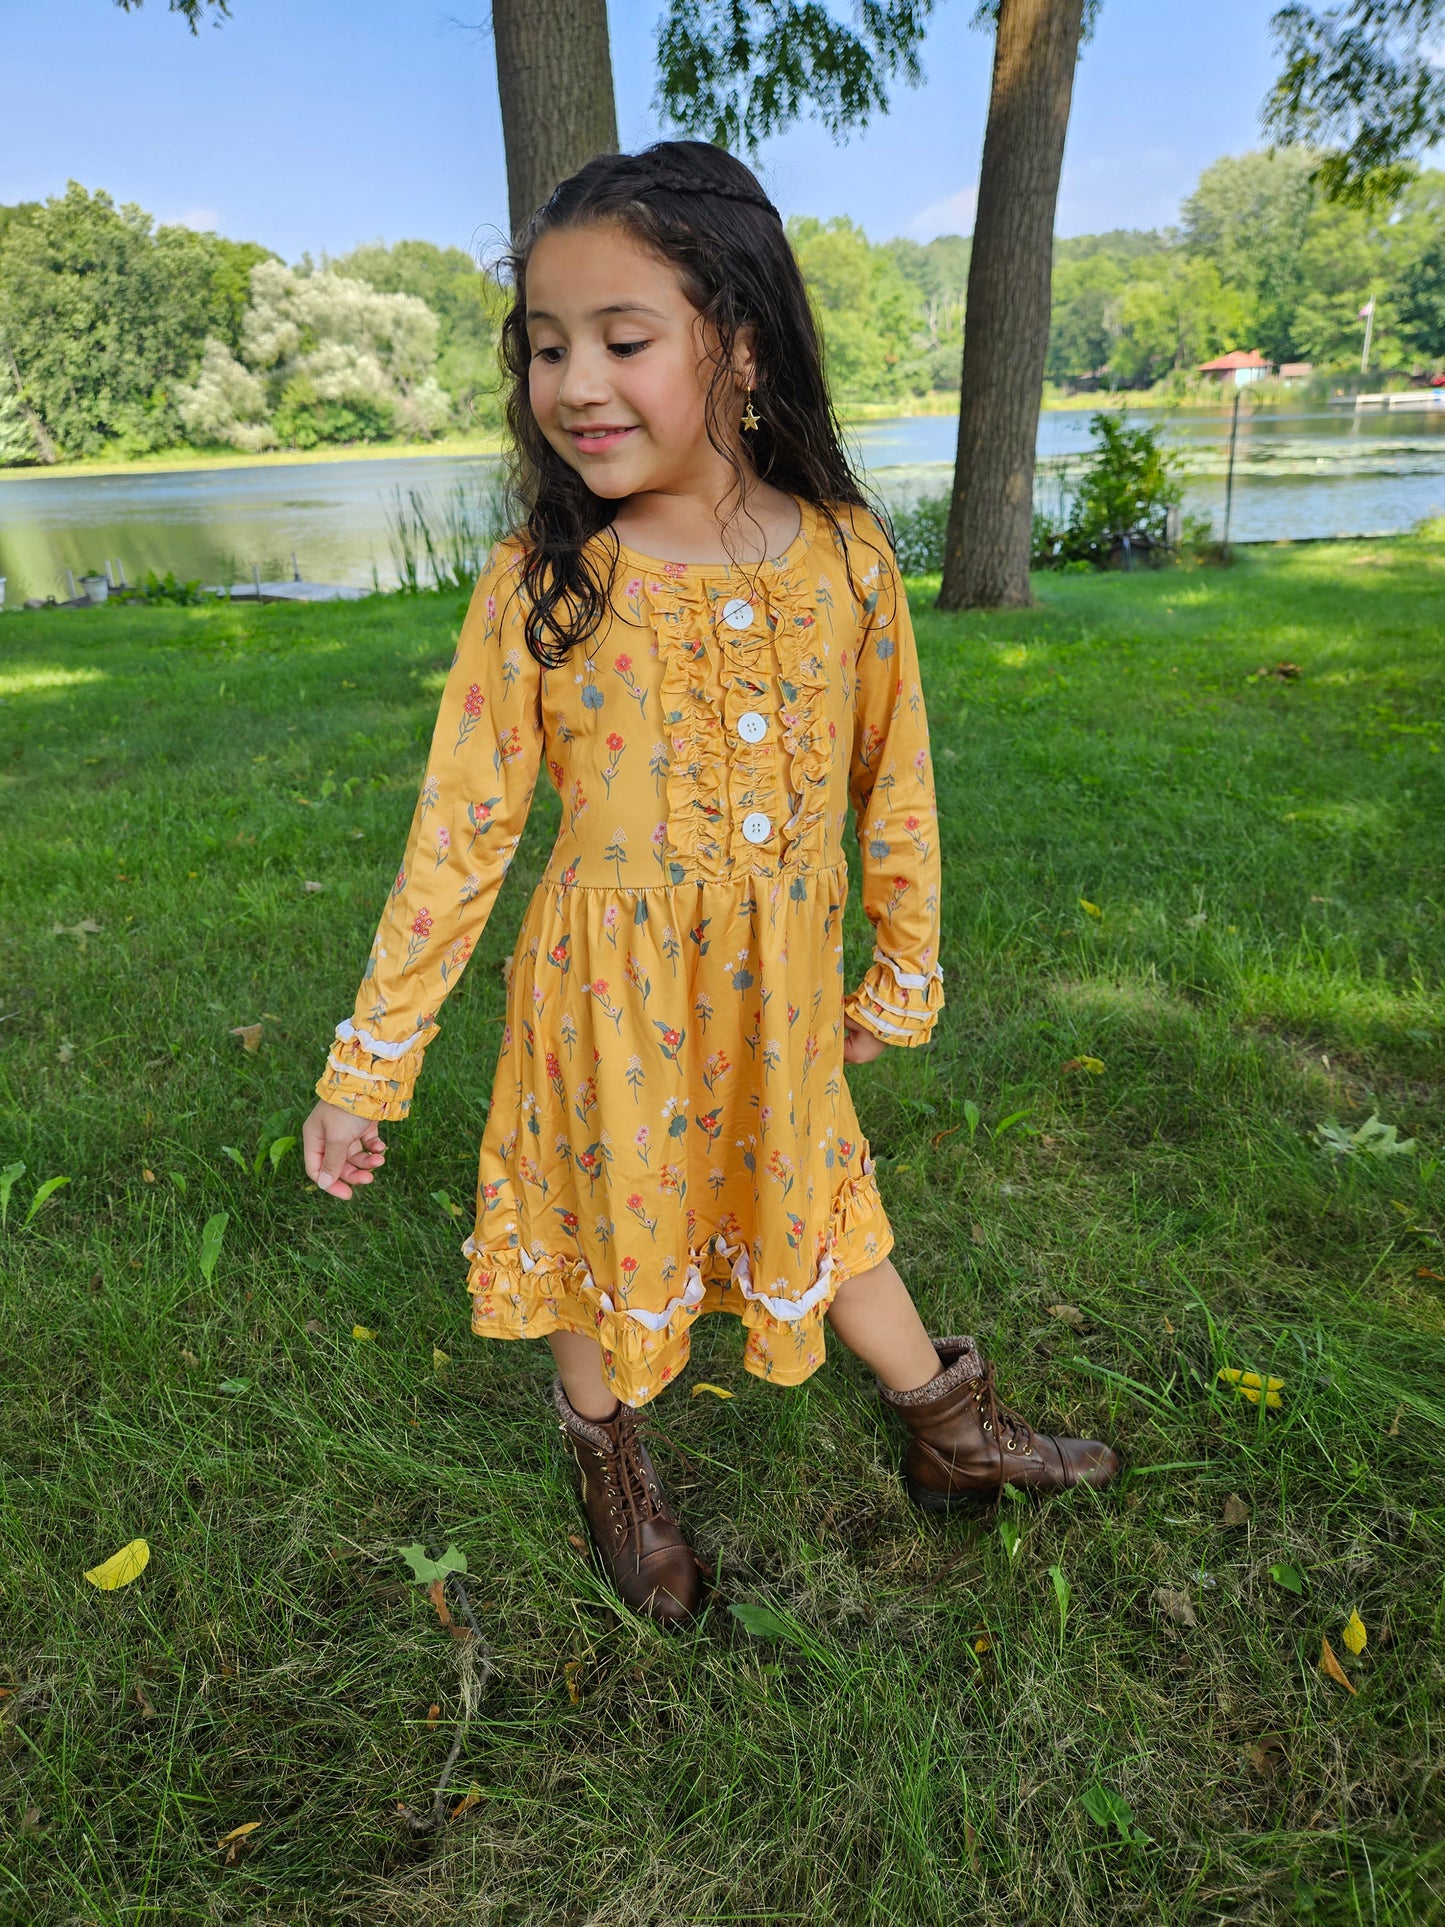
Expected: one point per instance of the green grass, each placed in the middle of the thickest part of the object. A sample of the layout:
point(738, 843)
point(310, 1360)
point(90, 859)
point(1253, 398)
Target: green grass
point(1267, 861)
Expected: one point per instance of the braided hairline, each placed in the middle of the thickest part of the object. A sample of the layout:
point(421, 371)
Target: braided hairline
point(672, 184)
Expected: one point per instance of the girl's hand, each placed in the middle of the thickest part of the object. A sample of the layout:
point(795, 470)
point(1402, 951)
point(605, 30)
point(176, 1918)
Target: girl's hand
point(341, 1151)
point(860, 1046)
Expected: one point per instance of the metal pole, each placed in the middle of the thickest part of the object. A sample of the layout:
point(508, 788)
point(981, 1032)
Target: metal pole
point(1369, 330)
point(1229, 473)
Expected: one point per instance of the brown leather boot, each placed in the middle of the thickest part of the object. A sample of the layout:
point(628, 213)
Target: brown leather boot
point(634, 1530)
point(966, 1447)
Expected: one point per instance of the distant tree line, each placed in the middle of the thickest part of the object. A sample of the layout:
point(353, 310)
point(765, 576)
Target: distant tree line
point(119, 336)
point(122, 336)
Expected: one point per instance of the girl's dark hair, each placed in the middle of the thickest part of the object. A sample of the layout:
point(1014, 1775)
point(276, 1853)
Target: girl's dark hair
point(700, 209)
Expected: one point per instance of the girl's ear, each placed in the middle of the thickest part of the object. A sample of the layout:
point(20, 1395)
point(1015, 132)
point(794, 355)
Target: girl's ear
point(745, 357)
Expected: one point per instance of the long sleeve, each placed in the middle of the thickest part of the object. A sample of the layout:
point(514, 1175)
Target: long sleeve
point(891, 785)
point(481, 770)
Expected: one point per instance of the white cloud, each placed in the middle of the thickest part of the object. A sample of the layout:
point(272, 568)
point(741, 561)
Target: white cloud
point(953, 215)
point(202, 219)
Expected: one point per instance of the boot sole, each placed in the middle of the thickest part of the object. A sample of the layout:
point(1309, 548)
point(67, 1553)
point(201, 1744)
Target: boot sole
point(930, 1501)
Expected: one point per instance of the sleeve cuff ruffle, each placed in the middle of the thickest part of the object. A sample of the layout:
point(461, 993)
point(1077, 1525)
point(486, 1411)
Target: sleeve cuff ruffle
point(371, 1077)
point(898, 1005)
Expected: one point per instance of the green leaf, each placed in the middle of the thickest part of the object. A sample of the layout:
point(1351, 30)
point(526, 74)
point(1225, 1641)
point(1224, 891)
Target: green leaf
point(7, 1184)
point(1106, 1808)
point(212, 1238)
point(425, 1569)
point(1098, 1803)
point(178, 1181)
point(1011, 1538)
point(441, 1198)
point(234, 1385)
point(279, 1149)
point(1290, 1577)
point(765, 1623)
point(237, 1157)
point(1014, 1117)
point(50, 1185)
point(1062, 1594)
point(971, 1116)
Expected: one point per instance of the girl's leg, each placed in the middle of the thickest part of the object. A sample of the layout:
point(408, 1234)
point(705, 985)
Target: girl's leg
point(875, 1317)
point(579, 1365)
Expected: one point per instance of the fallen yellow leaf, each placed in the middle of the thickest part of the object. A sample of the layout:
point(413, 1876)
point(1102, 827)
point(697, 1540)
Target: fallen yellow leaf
point(1094, 1065)
point(1091, 909)
point(121, 1567)
point(238, 1833)
point(1332, 1668)
point(148, 1175)
point(360, 1333)
point(1249, 1385)
point(983, 1644)
point(1067, 1315)
point(439, 1359)
point(250, 1035)
point(716, 1390)
point(570, 1672)
point(470, 1799)
point(1354, 1634)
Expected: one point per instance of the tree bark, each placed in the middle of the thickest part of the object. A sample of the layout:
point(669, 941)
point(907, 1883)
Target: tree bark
point(1006, 325)
point(554, 74)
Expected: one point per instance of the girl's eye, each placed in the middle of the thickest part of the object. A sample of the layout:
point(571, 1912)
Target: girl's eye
point(625, 350)
point(547, 354)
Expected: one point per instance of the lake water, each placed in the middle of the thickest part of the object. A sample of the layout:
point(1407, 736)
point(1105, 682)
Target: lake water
point(1326, 472)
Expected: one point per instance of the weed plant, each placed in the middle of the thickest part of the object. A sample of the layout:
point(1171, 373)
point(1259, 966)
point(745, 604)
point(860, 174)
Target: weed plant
point(1193, 914)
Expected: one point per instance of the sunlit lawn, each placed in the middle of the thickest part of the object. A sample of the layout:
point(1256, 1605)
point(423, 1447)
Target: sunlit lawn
point(1191, 917)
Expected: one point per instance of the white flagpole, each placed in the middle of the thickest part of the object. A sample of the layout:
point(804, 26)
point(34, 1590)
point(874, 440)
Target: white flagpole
point(1367, 314)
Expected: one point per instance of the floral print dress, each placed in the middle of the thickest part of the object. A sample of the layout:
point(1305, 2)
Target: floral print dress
point(671, 1132)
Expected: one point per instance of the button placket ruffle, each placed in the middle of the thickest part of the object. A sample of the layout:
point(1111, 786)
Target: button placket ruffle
point(692, 715)
point(803, 681)
point(755, 777)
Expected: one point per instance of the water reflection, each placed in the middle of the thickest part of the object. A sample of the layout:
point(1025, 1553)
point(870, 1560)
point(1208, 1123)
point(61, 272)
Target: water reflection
point(1325, 472)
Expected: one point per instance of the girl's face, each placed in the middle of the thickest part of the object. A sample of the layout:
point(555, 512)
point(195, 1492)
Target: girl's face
point(620, 371)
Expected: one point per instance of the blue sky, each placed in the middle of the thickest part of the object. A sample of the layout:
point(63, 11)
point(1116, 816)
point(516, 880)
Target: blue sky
point(315, 124)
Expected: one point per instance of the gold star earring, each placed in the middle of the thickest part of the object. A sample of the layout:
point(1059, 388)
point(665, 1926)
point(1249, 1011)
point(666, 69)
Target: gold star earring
point(751, 420)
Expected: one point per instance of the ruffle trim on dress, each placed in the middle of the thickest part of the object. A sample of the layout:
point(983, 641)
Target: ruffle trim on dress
point(370, 1077)
point(682, 623)
point(900, 1006)
point(803, 678)
point(710, 677)
point(522, 1294)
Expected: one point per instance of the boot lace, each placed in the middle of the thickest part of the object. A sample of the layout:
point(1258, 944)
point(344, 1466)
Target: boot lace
point(1014, 1434)
point(635, 1495)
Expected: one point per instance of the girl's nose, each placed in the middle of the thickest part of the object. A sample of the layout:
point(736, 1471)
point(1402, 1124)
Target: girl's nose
point(584, 381)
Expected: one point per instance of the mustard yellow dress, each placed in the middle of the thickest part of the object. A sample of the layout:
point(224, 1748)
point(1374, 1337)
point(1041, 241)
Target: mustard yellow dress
point(671, 1132)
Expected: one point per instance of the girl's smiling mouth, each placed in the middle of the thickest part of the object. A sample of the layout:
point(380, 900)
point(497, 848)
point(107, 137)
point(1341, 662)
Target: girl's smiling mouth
point(592, 440)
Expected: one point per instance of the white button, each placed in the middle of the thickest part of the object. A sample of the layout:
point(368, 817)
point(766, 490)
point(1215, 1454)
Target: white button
point(757, 828)
point(752, 727)
point(738, 614)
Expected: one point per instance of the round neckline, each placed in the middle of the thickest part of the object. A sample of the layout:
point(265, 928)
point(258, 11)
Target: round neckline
point(659, 564)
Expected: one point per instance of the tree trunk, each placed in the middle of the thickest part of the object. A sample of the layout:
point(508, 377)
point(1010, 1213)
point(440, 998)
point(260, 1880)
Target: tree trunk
point(1006, 324)
point(554, 74)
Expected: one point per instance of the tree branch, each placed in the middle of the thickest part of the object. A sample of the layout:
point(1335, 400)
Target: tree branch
point(192, 11)
point(737, 71)
point(1364, 79)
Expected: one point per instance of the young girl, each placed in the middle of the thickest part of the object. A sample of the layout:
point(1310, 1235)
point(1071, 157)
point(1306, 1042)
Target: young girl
point(699, 628)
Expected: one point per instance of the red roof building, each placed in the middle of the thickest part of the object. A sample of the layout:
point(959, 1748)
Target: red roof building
point(1237, 367)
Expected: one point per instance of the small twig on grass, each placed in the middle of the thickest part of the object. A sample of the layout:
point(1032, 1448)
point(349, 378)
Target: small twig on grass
point(476, 1664)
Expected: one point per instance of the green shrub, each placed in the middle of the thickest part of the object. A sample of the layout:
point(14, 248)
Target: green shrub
point(918, 533)
point(1125, 492)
